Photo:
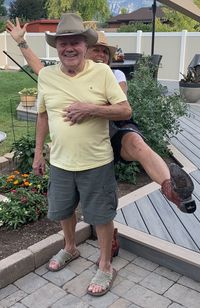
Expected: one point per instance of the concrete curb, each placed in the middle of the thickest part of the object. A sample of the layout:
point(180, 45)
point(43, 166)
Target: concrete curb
point(25, 261)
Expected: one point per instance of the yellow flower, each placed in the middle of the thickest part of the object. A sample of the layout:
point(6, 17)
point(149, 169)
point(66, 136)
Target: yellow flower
point(16, 182)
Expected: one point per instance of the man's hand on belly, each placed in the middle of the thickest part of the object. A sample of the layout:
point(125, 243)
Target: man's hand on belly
point(78, 112)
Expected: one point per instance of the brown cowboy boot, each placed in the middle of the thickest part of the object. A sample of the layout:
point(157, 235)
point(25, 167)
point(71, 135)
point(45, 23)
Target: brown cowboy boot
point(179, 188)
point(115, 247)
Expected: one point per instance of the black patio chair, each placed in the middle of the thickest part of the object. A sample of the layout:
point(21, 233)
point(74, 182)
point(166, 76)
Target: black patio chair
point(154, 62)
point(132, 56)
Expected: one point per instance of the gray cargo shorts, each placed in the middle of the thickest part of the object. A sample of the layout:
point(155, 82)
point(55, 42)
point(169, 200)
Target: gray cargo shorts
point(95, 189)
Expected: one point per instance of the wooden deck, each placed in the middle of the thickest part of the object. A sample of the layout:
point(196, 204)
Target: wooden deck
point(153, 215)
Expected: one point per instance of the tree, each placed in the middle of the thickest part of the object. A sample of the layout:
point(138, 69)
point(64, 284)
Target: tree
point(88, 9)
point(176, 22)
point(28, 9)
point(3, 10)
point(123, 10)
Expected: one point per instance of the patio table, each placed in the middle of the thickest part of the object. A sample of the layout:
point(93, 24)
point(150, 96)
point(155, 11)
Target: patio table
point(126, 67)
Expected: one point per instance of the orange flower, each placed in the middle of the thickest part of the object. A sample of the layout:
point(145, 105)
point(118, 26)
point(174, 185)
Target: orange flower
point(16, 172)
point(26, 183)
point(11, 177)
point(25, 175)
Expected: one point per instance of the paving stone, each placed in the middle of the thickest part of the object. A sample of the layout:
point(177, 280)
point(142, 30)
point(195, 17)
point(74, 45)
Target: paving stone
point(41, 270)
point(44, 297)
point(195, 285)
point(134, 273)
point(167, 273)
point(174, 305)
point(7, 291)
point(61, 277)
point(94, 257)
point(79, 265)
point(157, 283)
point(119, 263)
point(15, 267)
point(18, 305)
point(78, 285)
point(121, 303)
point(134, 306)
point(12, 299)
point(93, 243)
point(123, 287)
point(101, 301)
point(184, 296)
point(3, 162)
point(124, 254)
point(46, 248)
point(146, 264)
point(86, 250)
point(146, 298)
point(70, 301)
point(9, 155)
point(30, 283)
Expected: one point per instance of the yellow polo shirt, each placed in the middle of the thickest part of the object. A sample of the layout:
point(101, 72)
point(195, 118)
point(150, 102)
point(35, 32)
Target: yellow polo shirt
point(86, 145)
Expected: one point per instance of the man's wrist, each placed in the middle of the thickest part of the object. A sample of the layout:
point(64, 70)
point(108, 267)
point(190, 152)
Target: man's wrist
point(23, 44)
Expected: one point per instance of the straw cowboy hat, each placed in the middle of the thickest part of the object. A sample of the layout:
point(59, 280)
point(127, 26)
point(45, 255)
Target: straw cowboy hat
point(102, 41)
point(71, 24)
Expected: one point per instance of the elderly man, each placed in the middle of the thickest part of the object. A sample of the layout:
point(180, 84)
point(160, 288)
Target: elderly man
point(81, 155)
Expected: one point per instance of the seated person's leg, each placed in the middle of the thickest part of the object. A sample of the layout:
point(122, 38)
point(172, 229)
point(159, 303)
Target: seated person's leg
point(128, 145)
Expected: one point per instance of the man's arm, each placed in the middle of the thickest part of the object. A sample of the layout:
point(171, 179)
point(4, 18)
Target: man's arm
point(42, 130)
point(77, 112)
point(17, 34)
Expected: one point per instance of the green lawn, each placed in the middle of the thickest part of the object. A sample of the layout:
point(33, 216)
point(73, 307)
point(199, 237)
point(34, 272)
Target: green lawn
point(10, 84)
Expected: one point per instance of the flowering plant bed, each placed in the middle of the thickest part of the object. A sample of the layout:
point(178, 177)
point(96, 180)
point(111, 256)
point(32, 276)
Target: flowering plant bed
point(25, 199)
point(26, 180)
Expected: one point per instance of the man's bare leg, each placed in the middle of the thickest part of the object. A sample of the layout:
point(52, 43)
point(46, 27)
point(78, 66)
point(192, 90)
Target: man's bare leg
point(104, 235)
point(69, 227)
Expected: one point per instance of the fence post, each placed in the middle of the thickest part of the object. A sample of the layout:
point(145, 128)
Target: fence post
point(139, 41)
point(5, 48)
point(182, 52)
point(47, 48)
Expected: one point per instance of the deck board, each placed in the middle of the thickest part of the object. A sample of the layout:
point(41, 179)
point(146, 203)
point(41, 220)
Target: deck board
point(154, 214)
point(133, 217)
point(152, 219)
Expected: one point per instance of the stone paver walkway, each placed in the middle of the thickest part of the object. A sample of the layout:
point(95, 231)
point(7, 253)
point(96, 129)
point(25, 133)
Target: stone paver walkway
point(139, 284)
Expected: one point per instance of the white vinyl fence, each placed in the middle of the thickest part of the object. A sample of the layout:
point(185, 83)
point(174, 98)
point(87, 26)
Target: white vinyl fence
point(177, 49)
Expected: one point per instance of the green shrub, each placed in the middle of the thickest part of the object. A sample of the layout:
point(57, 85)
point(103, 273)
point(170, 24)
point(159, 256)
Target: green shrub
point(127, 172)
point(24, 149)
point(156, 113)
point(22, 207)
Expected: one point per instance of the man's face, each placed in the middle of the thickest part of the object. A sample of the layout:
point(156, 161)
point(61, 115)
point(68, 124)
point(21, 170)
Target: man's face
point(98, 54)
point(71, 50)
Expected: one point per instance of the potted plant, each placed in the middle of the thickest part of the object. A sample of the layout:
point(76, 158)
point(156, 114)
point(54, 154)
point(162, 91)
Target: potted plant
point(28, 97)
point(189, 85)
